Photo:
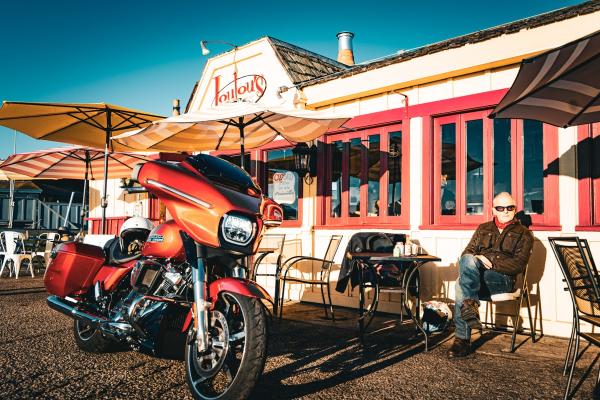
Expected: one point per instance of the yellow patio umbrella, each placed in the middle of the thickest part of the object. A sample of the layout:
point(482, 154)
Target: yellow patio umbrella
point(86, 124)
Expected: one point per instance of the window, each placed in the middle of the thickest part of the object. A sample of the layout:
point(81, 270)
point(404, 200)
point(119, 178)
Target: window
point(475, 158)
point(363, 177)
point(283, 183)
point(588, 169)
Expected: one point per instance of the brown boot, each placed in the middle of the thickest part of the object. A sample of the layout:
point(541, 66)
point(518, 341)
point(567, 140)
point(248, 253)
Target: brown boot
point(460, 348)
point(470, 314)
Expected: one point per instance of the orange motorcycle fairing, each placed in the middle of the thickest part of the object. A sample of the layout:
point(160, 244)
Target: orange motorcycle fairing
point(198, 204)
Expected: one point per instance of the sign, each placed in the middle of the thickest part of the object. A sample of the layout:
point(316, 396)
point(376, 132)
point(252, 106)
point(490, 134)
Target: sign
point(284, 187)
point(249, 88)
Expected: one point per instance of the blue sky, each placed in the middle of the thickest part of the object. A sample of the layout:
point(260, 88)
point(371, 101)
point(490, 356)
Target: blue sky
point(142, 54)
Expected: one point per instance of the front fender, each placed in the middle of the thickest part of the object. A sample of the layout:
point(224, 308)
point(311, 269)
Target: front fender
point(243, 287)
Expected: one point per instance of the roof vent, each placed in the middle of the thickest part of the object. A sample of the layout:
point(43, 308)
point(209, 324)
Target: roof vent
point(345, 53)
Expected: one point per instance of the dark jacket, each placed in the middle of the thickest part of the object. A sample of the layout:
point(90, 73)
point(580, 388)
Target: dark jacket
point(364, 242)
point(508, 251)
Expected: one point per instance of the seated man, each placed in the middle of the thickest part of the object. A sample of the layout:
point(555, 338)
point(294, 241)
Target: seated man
point(498, 250)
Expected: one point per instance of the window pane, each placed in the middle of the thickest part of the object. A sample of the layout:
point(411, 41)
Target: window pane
point(533, 167)
point(502, 164)
point(354, 175)
point(448, 178)
point(474, 182)
point(336, 179)
point(395, 173)
point(374, 170)
point(283, 181)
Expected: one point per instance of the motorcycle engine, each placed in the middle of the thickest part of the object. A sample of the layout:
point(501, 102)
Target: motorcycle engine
point(152, 277)
point(140, 310)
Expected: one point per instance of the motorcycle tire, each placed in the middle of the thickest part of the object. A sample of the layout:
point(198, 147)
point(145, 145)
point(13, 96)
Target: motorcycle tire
point(242, 370)
point(91, 340)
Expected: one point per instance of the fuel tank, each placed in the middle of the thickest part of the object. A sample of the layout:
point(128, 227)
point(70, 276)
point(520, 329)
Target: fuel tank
point(200, 192)
point(165, 241)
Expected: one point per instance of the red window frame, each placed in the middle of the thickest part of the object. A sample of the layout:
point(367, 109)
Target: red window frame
point(589, 186)
point(364, 220)
point(433, 219)
point(461, 217)
point(262, 178)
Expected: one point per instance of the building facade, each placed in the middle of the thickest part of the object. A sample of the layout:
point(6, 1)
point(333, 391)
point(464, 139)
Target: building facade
point(419, 155)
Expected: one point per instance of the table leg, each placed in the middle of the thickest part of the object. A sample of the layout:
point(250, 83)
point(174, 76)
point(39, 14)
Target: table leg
point(415, 316)
point(361, 303)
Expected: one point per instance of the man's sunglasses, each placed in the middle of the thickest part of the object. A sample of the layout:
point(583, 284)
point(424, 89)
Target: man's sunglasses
point(502, 208)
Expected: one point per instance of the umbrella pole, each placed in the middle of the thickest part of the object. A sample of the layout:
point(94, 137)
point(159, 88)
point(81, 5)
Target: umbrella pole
point(242, 155)
point(104, 202)
point(11, 202)
point(85, 186)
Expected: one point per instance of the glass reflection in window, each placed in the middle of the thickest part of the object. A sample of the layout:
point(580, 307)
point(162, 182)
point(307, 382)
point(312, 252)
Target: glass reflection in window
point(374, 170)
point(354, 175)
point(448, 178)
point(395, 173)
point(533, 167)
point(336, 178)
point(474, 181)
point(283, 181)
point(502, 154)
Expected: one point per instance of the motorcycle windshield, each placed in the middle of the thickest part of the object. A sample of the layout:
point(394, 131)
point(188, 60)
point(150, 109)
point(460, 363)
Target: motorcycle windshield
point(223, 172)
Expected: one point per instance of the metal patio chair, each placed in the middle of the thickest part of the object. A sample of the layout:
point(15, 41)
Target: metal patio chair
point(324, 274)
point(270, 244)
point(575, 259)
point(520, 293)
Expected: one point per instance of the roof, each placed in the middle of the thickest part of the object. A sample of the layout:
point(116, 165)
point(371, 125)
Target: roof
point(475, 37)
point(303, 65)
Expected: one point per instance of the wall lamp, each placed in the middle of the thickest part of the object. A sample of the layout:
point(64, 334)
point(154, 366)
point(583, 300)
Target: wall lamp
point(206, 51)
point(305, 161)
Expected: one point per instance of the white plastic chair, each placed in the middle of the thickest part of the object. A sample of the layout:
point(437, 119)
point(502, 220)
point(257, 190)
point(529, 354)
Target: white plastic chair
point(9, 240)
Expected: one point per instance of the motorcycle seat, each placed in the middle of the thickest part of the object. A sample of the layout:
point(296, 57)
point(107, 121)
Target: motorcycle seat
point(114, 255)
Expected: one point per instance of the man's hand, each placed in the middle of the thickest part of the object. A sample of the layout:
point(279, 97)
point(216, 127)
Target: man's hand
point(484, 260)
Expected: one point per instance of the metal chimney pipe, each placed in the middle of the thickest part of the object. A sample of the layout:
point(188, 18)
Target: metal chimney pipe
point(176, 108)
point(345, 53)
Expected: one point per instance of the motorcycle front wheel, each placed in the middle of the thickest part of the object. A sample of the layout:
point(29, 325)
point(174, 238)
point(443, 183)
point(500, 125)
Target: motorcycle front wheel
point(237, 350)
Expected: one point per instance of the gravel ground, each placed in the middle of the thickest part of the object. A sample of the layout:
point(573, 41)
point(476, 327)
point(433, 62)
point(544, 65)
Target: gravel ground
point(314, 359)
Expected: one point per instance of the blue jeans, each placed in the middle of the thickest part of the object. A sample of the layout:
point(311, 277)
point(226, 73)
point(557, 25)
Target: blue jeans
point(475, 282)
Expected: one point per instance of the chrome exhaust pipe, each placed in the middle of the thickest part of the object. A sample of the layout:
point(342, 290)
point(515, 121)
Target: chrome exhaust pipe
point(95, 321)
point(65, 307)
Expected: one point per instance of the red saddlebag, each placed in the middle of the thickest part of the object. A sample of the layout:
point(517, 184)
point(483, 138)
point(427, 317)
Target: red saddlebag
point(73, 268)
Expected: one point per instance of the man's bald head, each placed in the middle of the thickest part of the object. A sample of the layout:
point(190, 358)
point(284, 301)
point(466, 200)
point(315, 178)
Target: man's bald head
point(503, 199)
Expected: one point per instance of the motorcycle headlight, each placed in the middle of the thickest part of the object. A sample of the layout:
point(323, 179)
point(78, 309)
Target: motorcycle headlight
point(238, 229)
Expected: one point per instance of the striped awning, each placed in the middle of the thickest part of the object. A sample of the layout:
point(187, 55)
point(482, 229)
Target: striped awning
point(83, 124)
point(70, 163)
point(222, 128)
point(560, 87)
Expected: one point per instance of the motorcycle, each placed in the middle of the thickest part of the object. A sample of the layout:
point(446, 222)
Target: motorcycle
point(184, 291)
